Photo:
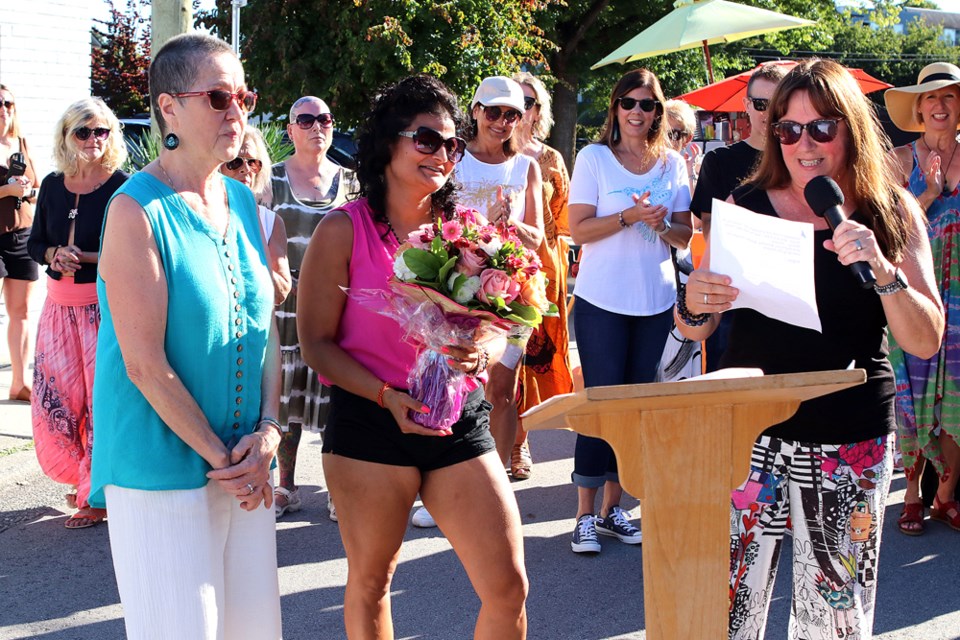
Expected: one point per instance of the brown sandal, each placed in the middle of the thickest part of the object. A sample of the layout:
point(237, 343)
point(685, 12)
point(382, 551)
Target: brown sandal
point(21, 396)
point(941, 511)
point(911, 519)
point(521, 463)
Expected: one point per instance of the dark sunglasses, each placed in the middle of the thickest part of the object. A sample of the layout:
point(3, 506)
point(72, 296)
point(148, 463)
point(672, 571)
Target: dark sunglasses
point(306, 120)
point(6, 103)
point(427, 141)
point(83, 133)
point(676, 134)
point(253, 164)
point(646, 104)
point(822, 130)
point(220, 100)
point(495, 113)
point(529, 103)
point(759, 104)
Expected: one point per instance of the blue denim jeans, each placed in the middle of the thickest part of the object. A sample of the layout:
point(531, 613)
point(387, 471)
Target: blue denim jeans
point(614, 349)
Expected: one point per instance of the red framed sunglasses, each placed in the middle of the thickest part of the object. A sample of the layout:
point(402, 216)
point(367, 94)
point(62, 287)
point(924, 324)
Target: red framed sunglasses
point(220, 100)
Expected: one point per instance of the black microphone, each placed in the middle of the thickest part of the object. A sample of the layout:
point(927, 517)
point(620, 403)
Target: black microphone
point(824, 196)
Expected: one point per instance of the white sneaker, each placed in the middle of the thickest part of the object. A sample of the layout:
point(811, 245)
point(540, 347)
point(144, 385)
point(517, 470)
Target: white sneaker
point(423, 519)
point(331, 509)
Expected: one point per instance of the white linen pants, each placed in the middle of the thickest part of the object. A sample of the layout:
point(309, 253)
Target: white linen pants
point(193, 565)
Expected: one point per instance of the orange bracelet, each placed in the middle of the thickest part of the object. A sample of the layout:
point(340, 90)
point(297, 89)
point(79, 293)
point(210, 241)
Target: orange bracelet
point(384, 387)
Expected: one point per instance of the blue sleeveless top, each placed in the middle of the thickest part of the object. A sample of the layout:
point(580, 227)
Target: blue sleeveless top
point(219, 313)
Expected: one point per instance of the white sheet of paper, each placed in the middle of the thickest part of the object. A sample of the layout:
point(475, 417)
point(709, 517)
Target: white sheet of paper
point(770, 261)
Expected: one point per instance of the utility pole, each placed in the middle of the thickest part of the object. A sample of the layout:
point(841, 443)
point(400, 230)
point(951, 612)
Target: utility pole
point(168, 18)
point(235, 25)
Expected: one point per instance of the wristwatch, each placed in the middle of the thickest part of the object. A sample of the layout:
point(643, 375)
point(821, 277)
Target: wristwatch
point(666, 227)
point(899, 284)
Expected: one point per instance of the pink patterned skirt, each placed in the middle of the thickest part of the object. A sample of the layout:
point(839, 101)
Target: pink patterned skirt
point(63, 383)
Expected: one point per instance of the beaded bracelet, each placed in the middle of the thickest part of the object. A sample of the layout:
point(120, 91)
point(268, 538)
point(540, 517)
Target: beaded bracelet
point(383, 388)
point(623, 223)
point(687, 318)
point(483, 359)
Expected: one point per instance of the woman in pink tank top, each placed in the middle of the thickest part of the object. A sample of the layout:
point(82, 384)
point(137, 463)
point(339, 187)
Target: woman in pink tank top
point(375, 458)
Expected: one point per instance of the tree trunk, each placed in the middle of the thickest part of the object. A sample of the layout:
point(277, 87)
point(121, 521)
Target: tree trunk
point(168, 18)
point(564, 135)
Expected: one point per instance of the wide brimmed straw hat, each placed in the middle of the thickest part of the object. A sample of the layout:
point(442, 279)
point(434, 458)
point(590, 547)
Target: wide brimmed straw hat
point(902, 101)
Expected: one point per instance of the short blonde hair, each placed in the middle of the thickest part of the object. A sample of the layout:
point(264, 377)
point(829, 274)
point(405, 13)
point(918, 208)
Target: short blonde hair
point(261, 182)
point(684, 113)
point(77, 115)
point(14, 129)
point(541, 130)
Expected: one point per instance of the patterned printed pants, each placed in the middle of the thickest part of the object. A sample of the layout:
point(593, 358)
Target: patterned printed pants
point(63, 393)
point(834, 496)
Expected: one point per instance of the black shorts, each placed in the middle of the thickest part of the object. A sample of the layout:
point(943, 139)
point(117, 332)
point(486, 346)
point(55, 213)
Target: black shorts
point(15, 262)
point(358, 428)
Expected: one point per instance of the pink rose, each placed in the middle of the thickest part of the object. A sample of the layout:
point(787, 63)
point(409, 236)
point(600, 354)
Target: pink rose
point(497, 284)
point(451, 230)
point(471, 263)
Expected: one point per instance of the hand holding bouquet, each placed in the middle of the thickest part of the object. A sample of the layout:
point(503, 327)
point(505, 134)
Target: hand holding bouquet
point(458, 282)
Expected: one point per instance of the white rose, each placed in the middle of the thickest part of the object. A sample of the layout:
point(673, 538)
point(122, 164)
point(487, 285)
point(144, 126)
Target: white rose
point(491, 248)
point(401, 270)
point(467, 290)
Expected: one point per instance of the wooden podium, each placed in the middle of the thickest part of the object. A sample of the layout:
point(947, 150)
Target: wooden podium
point(681, 448)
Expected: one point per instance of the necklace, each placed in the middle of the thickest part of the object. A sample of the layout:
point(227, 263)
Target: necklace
point(166, 175)
point(226, 197)
point(944, 168)
point(76, 201)
point(622, 157)
point(391, 231)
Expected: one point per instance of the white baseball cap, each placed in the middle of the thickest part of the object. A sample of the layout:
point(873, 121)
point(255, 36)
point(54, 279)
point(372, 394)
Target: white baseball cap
point(498, 91)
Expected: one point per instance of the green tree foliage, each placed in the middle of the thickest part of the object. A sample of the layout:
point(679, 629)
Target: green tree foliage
point(121, 58)
point(342, 50)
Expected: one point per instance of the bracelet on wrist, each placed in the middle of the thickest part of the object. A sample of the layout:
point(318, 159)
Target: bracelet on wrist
point(623, 223)
point(687, 318)
point(269, 422)
point(483, 359)
point(383, 388)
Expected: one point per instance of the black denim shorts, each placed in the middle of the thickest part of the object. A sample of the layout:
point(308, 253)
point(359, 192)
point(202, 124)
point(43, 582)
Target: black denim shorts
point(15, 262)
point(358, 428)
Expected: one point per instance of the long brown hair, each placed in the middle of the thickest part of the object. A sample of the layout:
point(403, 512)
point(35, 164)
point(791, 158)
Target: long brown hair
point(13, 129)
point(871, 180)
point(656, 135)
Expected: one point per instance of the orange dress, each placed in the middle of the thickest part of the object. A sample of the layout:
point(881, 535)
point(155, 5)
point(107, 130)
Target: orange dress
point(546, 367)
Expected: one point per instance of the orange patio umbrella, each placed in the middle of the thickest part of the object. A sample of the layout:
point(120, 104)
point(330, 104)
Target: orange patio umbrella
point(728, 94)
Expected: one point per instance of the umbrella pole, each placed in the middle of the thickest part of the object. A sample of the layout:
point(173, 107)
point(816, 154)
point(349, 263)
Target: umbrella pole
point(706, 55)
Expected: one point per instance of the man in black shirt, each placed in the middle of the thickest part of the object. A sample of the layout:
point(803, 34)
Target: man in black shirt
point(724, 168)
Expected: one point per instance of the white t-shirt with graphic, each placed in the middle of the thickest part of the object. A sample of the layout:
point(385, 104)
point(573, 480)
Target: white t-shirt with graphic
point(479, 182)
point(629, 272)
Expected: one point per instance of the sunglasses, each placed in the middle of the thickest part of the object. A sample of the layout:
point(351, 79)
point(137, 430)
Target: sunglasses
point(306, 120)
point(676, 134)
point(253, 164)
point(823, 130)
point(427, 141)
point(84, 133)
point(646, 104)
point(6, 103)
point(759, 104)
point(495, 113)
point(529, 103)
point(220, 100)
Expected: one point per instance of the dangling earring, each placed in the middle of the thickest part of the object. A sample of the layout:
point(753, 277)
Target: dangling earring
point(615, 133)
point(171, 141)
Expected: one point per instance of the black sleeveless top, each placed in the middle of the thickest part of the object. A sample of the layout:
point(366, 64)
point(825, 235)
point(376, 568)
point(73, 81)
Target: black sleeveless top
point(854, 329)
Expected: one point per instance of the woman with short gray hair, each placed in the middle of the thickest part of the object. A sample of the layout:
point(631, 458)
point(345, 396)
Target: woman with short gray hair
point(187, 382)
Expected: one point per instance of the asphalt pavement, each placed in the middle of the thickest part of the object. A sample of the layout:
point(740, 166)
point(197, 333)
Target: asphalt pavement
point(57, 584)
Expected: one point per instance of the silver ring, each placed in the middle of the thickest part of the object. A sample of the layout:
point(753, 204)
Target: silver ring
point(250, 487)
point(857, 244)
point(706, 299)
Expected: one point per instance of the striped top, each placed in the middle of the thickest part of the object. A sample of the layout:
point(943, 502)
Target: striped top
point(301, 217)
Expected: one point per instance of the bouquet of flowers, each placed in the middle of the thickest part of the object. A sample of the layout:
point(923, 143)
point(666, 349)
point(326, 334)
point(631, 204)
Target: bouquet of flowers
point(458, 282)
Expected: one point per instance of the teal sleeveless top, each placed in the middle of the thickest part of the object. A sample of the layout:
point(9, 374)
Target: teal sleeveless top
point(219, 313)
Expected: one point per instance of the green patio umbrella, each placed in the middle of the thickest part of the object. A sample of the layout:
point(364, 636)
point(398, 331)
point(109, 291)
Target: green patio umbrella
point(699, 23)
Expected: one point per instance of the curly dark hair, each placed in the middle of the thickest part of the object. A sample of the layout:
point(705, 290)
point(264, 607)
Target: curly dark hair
point(392, 110)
